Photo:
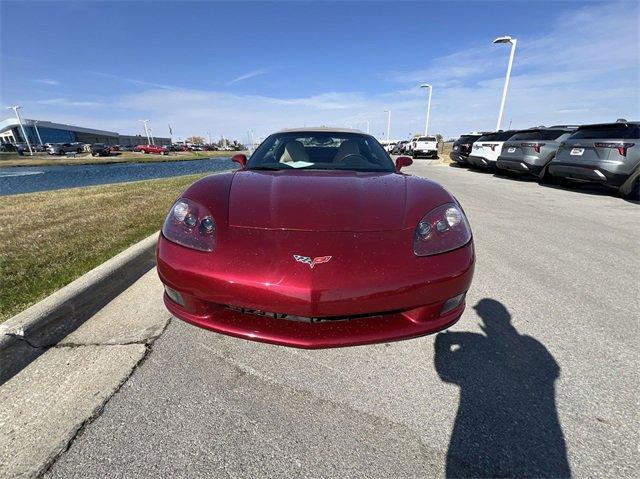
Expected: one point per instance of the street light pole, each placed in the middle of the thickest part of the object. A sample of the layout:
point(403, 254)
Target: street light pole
point(367, 127)
point(426, 126)
point(15, 109)
point(513, 42)
point(146, 131)
point(388, 124)
point(35, 125)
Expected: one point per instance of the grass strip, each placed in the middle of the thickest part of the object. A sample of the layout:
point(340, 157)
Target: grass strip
point(48, 239)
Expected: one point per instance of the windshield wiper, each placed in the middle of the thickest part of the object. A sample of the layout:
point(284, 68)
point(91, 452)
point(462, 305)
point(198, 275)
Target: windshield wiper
point(267, 167)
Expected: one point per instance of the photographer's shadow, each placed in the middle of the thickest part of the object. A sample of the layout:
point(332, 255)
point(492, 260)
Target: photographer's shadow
point(507, 423)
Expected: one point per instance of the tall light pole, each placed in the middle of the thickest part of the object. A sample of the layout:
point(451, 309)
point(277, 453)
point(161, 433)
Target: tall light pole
point(426, 126)
point(15, 109)
point(367, 126)
point(513, 42)
point(146, 130)
point(388, 123)
point(35, 125)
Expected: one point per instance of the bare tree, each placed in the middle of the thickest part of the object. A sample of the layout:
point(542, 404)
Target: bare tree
point(195, 140)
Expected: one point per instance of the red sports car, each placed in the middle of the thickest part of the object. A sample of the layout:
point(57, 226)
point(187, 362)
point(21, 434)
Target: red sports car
point(317, 241)
point(153, 149)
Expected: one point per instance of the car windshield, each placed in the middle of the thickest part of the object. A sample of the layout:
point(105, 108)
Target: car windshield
point(468, 138)
point(618, 131)
point(320, 151)
point(427, 138)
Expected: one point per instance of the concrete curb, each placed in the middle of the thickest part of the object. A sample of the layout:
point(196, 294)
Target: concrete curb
point(28, 334)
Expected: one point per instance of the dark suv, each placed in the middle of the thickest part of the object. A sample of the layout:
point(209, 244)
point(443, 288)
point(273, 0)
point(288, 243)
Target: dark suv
point(462, 147)
point(607, 153)
point(100, 149)
point(531, 151)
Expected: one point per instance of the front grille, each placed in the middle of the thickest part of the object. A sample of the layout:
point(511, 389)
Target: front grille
point(303, 319)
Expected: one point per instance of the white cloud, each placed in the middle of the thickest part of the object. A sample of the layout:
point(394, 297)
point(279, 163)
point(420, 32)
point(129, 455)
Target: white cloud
point(584, 68)
point(47, 81)
point(134, 81)
point(251, 74)
point(69, 103)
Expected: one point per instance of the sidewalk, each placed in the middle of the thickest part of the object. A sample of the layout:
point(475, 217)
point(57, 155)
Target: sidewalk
point(44, 407)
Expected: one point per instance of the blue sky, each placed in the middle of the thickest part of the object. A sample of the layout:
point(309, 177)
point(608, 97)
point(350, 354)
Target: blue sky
point(223, 68)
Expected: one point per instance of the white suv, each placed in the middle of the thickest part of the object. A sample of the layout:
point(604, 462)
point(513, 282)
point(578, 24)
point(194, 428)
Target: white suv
point(425, 146)
point(486, 149)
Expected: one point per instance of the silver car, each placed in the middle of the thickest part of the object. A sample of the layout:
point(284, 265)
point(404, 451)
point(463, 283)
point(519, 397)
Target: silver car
point(531, 151)
point(607, 153)
point(63, 148)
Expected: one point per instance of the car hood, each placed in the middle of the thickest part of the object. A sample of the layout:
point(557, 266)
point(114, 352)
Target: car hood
point(318, 200)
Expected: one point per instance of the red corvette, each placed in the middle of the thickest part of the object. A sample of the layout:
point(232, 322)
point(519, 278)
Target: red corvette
point(317, 241)
point(153, 149)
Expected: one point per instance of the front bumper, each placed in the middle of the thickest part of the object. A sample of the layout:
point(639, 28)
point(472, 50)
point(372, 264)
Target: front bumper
point(308, 313)
point(589, 173)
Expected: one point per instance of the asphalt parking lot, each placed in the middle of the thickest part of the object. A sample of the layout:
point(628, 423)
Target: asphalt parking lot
point(539, 378)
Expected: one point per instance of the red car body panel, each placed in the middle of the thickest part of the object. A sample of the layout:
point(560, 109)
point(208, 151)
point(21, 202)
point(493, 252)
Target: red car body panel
point(155, 149)
point(373, 286)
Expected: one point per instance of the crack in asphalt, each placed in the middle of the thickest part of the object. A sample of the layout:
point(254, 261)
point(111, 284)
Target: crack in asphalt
point(99, 409)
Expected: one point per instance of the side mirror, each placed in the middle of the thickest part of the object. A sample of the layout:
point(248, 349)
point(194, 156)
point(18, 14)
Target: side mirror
point(240, 159)
point(403, 161)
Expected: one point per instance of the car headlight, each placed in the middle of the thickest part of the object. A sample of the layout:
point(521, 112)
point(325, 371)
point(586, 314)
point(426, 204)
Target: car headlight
point(190, 224)
point(442, 229)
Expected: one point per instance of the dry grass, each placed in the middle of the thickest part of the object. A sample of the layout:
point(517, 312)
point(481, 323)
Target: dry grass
point(443, 151)
point(12, 159)
point(48, 239)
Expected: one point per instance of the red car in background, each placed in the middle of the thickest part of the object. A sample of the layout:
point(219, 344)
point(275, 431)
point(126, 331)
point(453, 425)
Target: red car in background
point(153, 149)
point(317, 241)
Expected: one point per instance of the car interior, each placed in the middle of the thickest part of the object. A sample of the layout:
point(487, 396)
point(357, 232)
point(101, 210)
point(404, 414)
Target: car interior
point(321, 152)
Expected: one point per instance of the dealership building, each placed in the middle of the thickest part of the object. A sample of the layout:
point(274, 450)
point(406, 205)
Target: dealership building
point(39, 131)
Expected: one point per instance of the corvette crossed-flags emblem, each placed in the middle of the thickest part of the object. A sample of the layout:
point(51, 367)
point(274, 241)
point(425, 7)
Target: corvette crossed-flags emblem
point(311, 261)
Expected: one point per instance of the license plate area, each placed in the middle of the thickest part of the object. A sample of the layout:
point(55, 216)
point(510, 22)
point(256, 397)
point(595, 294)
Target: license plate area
point(511, 150)
point(577, 151)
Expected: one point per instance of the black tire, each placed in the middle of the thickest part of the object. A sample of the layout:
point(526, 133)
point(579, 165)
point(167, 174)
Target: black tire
point(79, 150)
point(633, 194)
point(414, 156)
point(94, 154)
point(546, 178)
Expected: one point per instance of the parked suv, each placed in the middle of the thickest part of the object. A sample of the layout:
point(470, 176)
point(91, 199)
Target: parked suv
point(607, 153)
point(531, 151)
point(100, 149)
point(399, 148)
point(487, 148)
point(462, 147)
point(425, 146)
point(62, 148)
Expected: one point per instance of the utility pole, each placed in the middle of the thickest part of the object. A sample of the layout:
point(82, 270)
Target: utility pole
point(388, 124)
point(426, 126)
point(513, 42)
point(35, 125)
point(15, 109)
point(146, 130)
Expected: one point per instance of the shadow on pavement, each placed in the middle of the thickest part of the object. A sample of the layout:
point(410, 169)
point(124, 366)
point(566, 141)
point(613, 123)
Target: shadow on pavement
point(507, 423)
